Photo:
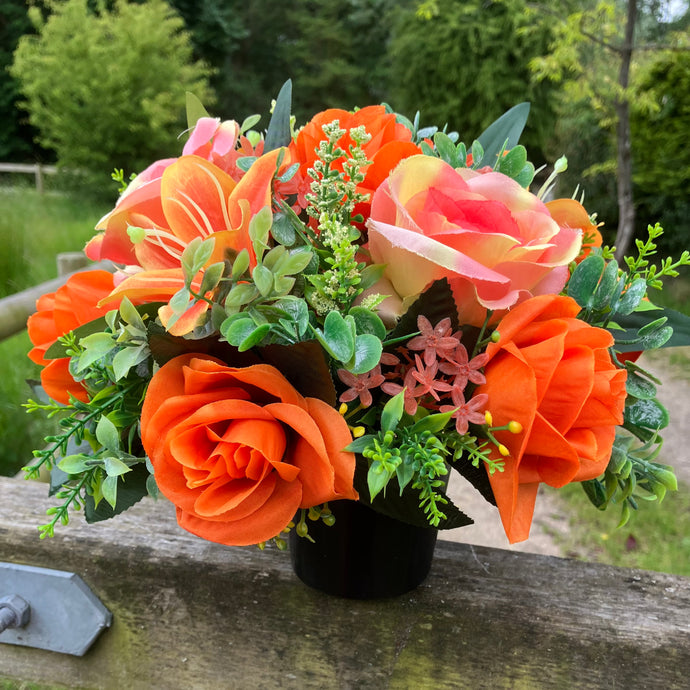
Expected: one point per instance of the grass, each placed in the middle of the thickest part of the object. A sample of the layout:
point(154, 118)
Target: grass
point(657, 536)
point(33, 229)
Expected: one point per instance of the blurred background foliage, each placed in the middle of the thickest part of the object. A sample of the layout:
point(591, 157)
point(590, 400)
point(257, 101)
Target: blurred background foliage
point(97, 84)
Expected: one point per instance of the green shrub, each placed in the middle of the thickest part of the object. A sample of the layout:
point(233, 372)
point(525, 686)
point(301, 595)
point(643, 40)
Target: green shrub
point(106, 88)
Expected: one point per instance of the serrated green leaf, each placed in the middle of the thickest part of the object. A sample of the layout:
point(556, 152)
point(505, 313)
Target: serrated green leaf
point(595, 492)
point(445, 149)
point(131, 488)
point(525, 176)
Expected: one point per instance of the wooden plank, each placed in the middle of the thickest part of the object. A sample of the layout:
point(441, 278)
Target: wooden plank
point(27, 168)
point(191, 614)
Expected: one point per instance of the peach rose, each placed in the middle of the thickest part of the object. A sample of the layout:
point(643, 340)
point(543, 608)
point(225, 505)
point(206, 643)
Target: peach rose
point(239, 450)
point(572, 214)
point(58, 313)
point(494, 241)
point(552, 373)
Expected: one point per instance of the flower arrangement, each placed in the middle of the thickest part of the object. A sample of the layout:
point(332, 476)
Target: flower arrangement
point(348, 311)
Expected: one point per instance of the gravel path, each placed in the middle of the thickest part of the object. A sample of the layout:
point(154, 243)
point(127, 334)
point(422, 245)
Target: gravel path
point(672, 366)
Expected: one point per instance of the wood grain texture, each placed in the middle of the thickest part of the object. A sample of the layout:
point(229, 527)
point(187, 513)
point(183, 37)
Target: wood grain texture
point(190, 614)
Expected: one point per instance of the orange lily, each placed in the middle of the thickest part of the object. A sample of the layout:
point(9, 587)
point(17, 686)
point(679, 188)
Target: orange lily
point(193, 199)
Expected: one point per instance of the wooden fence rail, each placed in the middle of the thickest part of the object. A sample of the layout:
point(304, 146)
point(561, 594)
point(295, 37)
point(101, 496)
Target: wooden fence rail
point(16, 309)
point(37, 169)
point(191, 614)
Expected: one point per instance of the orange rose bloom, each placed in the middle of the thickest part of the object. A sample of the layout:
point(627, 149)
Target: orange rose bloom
point(569, 213)
point(390, 142)
point(58, 313)
point(553, 374)
point(239, 450)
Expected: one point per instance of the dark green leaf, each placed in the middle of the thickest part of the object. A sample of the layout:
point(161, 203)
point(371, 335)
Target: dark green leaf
point(337, 337)
point(131, 488)
point(585, 279)
point(282, 230)
point(477, 476)
point(432, 422)
point(504, 132)
point(278, 133)
point(195, 109)
point(648, 414)
point(680, 323)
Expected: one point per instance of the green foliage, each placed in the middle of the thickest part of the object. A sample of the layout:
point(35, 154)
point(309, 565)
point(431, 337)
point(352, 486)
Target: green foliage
point(106, 89)
point(15, 134)
point(662, 163)
point(466, 63)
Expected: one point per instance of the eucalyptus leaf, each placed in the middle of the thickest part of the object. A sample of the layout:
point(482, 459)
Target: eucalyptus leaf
point(244, 163)
point(367, 354)
point(212, 276)
point(632, 296)
point(263, 279)
point(606, 289)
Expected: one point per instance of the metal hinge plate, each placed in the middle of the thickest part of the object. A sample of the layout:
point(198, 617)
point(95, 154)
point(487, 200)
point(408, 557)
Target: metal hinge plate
point(66, 616)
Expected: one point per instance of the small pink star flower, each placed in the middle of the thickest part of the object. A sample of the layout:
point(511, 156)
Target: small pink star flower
point(437, 342)
point(466, 412)
point(360, 385)
point(462, 369)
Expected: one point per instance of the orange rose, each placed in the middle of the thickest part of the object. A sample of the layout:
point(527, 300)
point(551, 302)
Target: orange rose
point(239, 450)
point(553, 374)
point(58, 313)
point(390, 142)
point(569, 213)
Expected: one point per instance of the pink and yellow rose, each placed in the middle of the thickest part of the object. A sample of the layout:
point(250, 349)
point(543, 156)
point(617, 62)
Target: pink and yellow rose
point(495, 242)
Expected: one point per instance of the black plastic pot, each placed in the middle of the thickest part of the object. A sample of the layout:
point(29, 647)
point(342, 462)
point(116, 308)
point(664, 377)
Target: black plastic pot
point(364, 555)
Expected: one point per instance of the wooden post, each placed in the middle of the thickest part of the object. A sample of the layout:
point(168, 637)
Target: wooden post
point(39, 179)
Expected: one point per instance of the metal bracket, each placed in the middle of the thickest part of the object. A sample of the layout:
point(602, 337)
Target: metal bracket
point(49, 609)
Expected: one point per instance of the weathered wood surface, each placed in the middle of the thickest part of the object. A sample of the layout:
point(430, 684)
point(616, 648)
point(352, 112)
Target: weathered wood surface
point(190, 614)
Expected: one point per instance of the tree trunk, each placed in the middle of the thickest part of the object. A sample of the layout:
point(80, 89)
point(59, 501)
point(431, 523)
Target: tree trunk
point(626, 208)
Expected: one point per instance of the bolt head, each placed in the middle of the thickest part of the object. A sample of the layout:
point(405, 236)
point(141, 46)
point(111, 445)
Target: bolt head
point(19, 607)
